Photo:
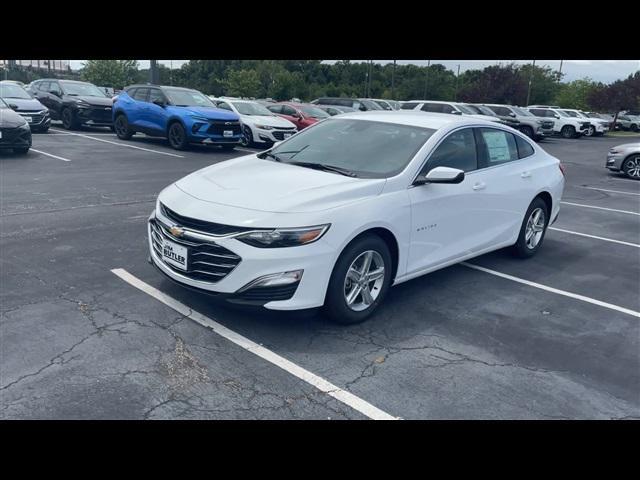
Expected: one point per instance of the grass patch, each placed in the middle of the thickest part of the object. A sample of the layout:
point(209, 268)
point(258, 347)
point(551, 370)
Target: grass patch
point(623, 134)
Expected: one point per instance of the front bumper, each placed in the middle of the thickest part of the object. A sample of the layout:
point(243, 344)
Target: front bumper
point(95, 116)
point(614, 162)
point(215, 132)
point(15, 138)
point(271, 136)
point(316, 260)
point(36, 120)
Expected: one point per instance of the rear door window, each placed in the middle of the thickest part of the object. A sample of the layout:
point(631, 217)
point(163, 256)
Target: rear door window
point(498, 147)
point(524, 148)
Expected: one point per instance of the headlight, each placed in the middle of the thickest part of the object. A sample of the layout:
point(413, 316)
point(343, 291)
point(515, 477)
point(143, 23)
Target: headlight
point(25, 126)
point(198, 118)
point(264, 127)
point(81, 103)
point(283, 237)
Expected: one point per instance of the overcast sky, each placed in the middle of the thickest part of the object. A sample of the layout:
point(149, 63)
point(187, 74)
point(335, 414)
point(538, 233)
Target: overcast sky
point(606, 71)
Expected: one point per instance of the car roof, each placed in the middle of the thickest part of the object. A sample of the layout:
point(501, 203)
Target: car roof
point(416, 118)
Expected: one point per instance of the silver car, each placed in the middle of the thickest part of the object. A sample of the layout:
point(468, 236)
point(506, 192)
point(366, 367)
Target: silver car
point(626, 159)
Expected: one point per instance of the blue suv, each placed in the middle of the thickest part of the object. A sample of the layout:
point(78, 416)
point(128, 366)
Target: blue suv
point(181, 115)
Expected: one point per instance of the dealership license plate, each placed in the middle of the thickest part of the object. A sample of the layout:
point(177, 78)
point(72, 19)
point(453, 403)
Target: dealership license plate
point(227, 133)
point(287, 135)
point(175, 254)
point(28, 119)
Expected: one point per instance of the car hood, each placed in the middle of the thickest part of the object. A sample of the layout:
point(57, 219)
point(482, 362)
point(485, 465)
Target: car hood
point(267, 186)
point(628, 146)
point(96, 101)
point(271, 120)
point(29, 104)
point(211, 113)
point(10, 119)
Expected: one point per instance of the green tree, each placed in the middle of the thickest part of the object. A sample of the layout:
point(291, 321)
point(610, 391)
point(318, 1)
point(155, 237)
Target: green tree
point(110, 73)
point(575, 94)
point(242, 83)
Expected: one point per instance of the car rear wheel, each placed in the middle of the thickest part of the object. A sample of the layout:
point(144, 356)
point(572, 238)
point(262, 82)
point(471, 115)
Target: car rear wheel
point(177, 136)
point(121, 127)
point(568, 131)
point(533, 229)
point(631, 167)
point(247, 137)
point(360, 280)
point(69, 120)
point(634, 127)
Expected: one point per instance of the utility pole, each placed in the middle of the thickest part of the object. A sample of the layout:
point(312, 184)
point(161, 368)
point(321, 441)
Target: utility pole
point(530, 81)
point(170, 72)
point(153, 72)
point(560, 71)
point(455, 96)
point(426, 80)
point(369, 79)
point(393, 74)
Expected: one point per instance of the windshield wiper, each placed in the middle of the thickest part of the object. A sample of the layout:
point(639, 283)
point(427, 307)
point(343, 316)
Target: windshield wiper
point(269, 154)
point(325, 167)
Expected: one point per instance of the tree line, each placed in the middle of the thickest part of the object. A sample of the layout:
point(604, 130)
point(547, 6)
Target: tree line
point(309, 79)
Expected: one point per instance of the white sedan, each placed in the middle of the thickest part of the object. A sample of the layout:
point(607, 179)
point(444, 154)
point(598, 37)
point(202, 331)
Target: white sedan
point(345, 209)
point(259, 125)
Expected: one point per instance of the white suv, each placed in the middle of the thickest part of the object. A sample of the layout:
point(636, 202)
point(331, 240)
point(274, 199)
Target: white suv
point(563, 123)
point(598, 125)
point(259, 125)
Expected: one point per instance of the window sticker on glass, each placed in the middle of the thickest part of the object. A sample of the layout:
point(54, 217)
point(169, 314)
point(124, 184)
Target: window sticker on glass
point(497, 146)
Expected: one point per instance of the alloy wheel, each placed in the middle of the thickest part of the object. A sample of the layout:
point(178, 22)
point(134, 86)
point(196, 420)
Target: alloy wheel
point(632, 167)
point(176, 135)
point(364, 279)
point(245, 141)
point(535, 228)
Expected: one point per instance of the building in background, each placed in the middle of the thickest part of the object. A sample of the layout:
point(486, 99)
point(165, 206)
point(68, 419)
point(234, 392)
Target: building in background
point(61, 66)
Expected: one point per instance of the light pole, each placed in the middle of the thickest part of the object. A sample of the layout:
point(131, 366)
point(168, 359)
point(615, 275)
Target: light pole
point(153, 72)
point(560, 71)
point(426, 80)
point(393, 74)
point(455, 96)
point(530, 81)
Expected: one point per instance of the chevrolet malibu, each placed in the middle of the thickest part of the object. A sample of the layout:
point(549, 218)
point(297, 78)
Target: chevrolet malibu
point(335, 215)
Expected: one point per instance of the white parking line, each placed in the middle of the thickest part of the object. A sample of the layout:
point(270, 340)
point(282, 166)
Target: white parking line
point(596, 237)
point(122, 144)
point(50, 155)
point(612, 191)
point(554, 290)
point(601, 208)
point(312, 379)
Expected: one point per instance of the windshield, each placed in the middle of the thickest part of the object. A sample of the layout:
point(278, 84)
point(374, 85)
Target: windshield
point(465, 109)
point(474, 108)
point(85, 89)
point(314, 112)
point(187, 98)
point(486, 110)
point(248, 108)
point(369, 149)
point(11, 90)
point(3, 104)
point(561, 113)
point(521, 112)
point(383, 104)
point(570, 113)
point(371, 105)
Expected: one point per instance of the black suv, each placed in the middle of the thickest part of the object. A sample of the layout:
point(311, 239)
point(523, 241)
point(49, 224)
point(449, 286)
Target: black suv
point(75, 103)
point(362, 104)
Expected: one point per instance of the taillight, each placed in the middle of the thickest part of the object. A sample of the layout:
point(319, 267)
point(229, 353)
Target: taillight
point(564, 174)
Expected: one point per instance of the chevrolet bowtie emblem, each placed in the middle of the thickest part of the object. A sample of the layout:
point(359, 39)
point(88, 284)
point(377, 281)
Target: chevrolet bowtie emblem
point(176, 231)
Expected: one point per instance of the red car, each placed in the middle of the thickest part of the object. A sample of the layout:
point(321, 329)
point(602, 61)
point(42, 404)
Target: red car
point(300, 114)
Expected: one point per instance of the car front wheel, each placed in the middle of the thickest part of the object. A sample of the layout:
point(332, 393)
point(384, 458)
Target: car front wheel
point(360, 280)
point(121, 127)
point(533, 229)
point(178, 136)
point(631, 167)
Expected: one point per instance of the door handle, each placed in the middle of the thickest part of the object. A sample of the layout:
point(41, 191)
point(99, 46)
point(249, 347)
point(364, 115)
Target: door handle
point(525, 174)
point(479, 186)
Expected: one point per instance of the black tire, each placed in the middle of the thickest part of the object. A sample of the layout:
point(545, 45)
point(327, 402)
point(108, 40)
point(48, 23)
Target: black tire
point(228, 148)
point(122, 128)
point(631, 167)
point(528, 131)
point(634, 127)
point(521, 248)
point(21, 151)
point(177, 136)
point(69, 120)
point(335, 306)
point(41, 130)
point(568, 132)
point(247, 137)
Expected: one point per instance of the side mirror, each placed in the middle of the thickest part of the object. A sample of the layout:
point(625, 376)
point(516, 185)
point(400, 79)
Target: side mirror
point(556, 116)
point(511, 114)
point(456, 112)
point(160, 103)
point(441, 175)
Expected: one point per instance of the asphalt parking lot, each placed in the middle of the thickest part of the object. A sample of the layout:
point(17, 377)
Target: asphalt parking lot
point(90, 330)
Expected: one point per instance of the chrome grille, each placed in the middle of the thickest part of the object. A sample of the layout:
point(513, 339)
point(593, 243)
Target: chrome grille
point(208, 262)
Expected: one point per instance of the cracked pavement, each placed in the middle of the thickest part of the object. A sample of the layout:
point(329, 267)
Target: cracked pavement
point(76, 342)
